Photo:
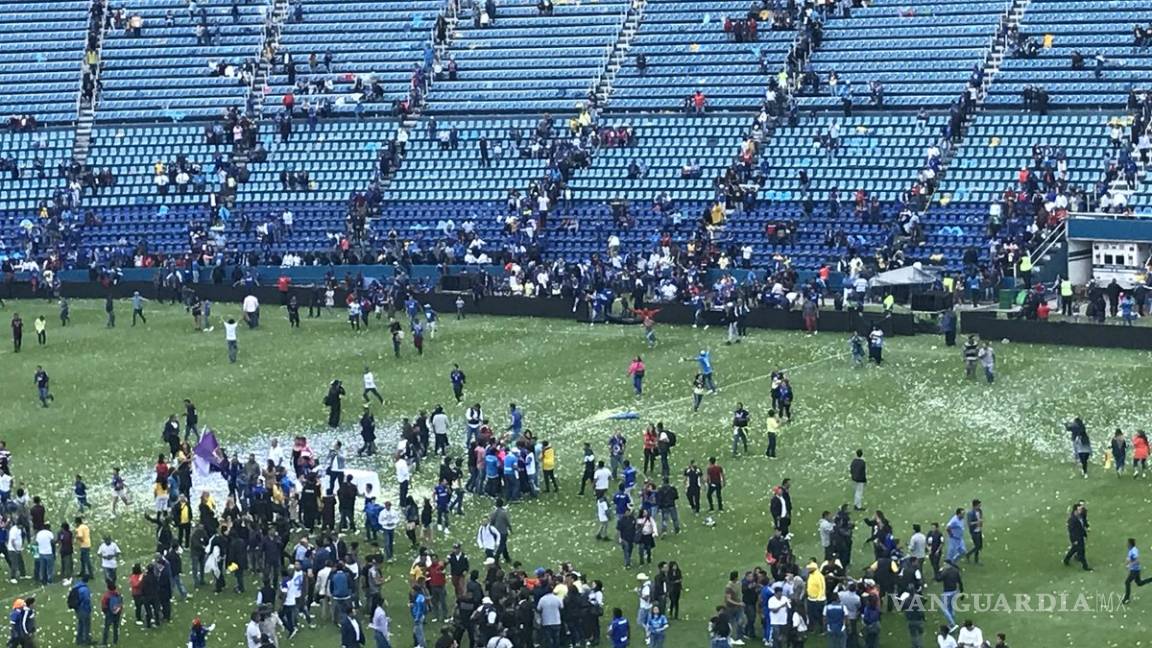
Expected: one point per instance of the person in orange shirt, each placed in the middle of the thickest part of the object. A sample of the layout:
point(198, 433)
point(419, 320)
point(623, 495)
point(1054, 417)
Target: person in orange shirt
point(1139, 454)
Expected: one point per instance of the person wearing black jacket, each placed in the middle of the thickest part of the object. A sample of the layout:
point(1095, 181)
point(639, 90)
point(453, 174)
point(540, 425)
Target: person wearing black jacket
point(367, 433)
point(163, 588)
point(952, 585)
point(1077, 536)
point(781, 507)
point(197, 547)
point(346, 498)
point(842, 528)
point(626, 528)
point(273, 556)
point(176, 568)
point(935, 541)
point(666, 497)
point(237, 555)
point(458, 569)
point(858, 470)
point(149, 597)
point(332, 402)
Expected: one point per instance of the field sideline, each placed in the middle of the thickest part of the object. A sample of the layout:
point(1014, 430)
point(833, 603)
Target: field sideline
point(933, 442)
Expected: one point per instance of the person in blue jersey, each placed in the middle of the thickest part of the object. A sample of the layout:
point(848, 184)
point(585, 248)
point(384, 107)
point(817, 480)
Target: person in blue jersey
point(621, 501)
point(1132, 564)
point(515, 421)
point(458, 379)
point(704, 360)
point(618, 630)
point(412, 308)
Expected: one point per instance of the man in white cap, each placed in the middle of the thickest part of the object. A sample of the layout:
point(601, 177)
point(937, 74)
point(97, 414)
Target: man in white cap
point(645, 593)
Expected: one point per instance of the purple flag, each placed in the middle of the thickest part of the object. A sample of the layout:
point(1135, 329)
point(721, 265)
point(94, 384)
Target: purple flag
point(206, 454)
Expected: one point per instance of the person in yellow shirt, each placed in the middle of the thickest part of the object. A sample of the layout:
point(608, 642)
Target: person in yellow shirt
point(816, 591)
point(41, 325)
point(548, 464)
point(82, 537)
point(773, 425)
point(182, 516)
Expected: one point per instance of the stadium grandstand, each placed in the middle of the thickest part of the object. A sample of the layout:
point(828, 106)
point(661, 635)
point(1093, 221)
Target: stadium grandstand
point(715, 134)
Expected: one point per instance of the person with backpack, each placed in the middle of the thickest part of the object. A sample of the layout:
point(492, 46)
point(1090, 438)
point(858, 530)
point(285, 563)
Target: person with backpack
point(80, 602)
point(112, 605)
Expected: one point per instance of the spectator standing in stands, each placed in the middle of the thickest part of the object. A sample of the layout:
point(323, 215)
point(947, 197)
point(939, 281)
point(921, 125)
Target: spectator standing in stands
point(484, 152)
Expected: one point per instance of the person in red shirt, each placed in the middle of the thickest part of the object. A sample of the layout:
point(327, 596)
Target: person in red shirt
point(162, 469)
point(283, 283)
point(699, 101)
point(289, 101)
point(436, 584)
point(715, 477)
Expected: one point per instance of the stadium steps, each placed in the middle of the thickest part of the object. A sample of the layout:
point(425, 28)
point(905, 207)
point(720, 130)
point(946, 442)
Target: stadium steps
point(602, 87)
point(995, 57)
point(86, 106)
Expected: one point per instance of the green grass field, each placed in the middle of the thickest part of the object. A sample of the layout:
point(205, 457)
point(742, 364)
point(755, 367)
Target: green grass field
point(933, 441)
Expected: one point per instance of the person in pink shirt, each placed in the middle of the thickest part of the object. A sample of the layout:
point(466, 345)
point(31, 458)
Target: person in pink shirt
point(636, 370)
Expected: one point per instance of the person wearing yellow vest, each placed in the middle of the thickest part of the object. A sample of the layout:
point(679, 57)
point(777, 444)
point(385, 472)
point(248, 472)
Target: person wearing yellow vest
point(82, 537)
point(548, 465)
point(182, 516)
point(816, 593)
point(1066, 296)
point(1025, 268)
point(889, 303)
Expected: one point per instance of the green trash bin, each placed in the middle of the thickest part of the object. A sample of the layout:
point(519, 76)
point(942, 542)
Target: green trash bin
point(1008, 298)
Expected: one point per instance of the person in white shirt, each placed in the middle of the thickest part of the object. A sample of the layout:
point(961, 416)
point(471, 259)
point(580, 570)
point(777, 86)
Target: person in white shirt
point(778, 611)
point(970, 636)
point(644, 610)
point(439, 424)
point(251, 307)
point(45, 555)
point(230, 337)
point(276, 453)
point(109, 554)
point(602, 518)
point(403, 477)
point(600, 479)
point(370, 386)
point(380, 623)
point(16, 553)
point(389, 519)
point(322, 596)
point(252, 632)
point(5, 486)
point(944, 639)
point(488, 539)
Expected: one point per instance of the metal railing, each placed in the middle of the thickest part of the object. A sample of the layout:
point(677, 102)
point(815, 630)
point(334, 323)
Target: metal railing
point(634, 7)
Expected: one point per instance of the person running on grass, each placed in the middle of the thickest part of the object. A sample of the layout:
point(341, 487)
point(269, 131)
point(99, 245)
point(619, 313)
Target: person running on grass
point(1133, 565)
point(370, 386)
